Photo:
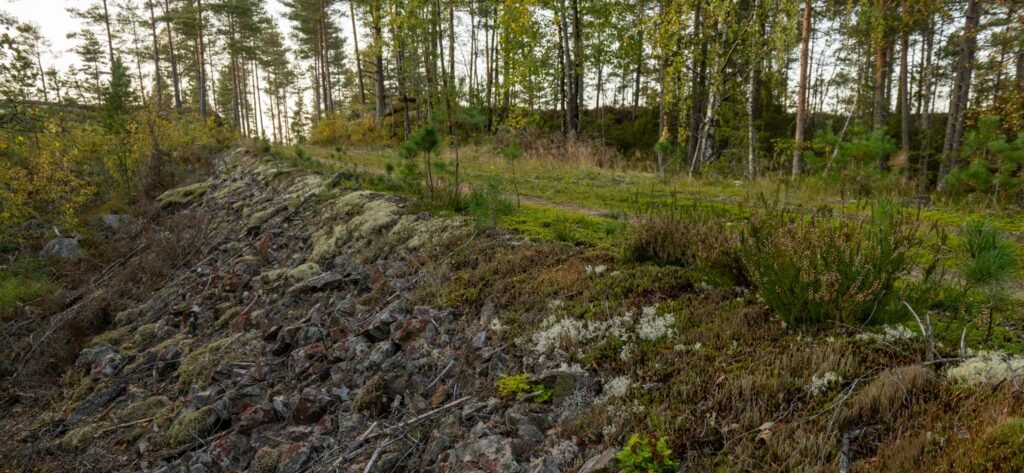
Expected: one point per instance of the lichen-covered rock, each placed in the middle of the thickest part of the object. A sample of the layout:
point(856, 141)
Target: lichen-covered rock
point(62, 248)
point(184, 195)
point(304, 271)
point(492, 453)
point(265, 460)
point(603, 462)
point(101, 361)
point(294, 457)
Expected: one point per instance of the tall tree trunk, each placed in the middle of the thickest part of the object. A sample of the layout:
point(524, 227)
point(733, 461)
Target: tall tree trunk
point(156, 59)
point(639, 66)
point(110, 36)
point(577, 55)
point(904, 93)
point(698, 81)
point(202, 60)
point(328, 77)
point(752, 95)
point(355, 42)
point(961, 93)
point(801, 99)
point(571, 102)
point(378, 73)
point(175, 78)
point(878, 98)
point(451, 45)
point(926, 105)
point(489, 60)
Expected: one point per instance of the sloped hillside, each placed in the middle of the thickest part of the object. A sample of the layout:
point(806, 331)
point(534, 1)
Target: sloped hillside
point(304, 324)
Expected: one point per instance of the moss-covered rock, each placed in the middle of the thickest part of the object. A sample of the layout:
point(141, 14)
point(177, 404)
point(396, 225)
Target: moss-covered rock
point(183, 195)
point(195, 425)
point(265, 460)
point(144, 409)
point(362, 215)
point(75, 439)
point(304, 271)
point(198, 366)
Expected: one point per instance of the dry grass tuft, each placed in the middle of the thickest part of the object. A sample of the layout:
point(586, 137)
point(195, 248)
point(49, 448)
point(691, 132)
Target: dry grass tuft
point(883, 399)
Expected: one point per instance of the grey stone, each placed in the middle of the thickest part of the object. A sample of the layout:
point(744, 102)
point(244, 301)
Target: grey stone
point(603, 462)
point(62, 248)
point(545, 464)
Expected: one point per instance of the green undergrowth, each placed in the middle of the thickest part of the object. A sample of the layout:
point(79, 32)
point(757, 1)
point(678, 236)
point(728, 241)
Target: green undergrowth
point(706, 365)
point(23, 282)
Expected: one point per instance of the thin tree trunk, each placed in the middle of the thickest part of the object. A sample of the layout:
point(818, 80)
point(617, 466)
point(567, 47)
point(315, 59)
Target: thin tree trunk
point(110, 37)
point(202, 61)
point(156, 59)
point(961, 90)
point(904, 94)
point(697, 85)
point(175, 79)
point(571, 102)
point(359, 62)
point(878, 99)
point(928, 99)
point(752, 98)
point(378, 73)
point(639, 67)
point(801, 100)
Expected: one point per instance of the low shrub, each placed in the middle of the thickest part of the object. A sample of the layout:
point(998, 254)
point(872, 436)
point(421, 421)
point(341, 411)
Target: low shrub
point(816, 269)
point(646, 455)
point(691, 236)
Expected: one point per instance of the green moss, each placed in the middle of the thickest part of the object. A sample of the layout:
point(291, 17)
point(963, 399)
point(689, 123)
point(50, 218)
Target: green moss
point(144, 409)
point(77, 438)
point(145, 333)
point(112, 337)
point(514, 386)
point(198, 366)
point(1002, 449)
point(547, 223)
point(195, 425)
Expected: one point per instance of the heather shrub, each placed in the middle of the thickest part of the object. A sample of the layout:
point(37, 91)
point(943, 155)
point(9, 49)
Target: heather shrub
point(816, 269)
point(692, 236)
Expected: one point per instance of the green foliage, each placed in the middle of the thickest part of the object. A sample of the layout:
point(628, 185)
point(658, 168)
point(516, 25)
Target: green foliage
point(645, 455)
point(23, 282)
point(487, 203)
point(990, 260)
point(994, 166)
point(815, 269)
point(514, 386)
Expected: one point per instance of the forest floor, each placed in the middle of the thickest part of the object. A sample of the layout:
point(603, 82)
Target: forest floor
point(283, 318)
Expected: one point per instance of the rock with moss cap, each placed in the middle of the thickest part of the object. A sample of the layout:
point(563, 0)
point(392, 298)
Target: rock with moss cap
point(182, 196)
point(193, 426)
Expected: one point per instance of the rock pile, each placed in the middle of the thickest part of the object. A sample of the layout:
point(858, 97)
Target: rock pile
point(293, 343)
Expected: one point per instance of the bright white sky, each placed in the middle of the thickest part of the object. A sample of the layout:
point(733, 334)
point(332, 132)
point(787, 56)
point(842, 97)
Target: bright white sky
point(55, 22)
